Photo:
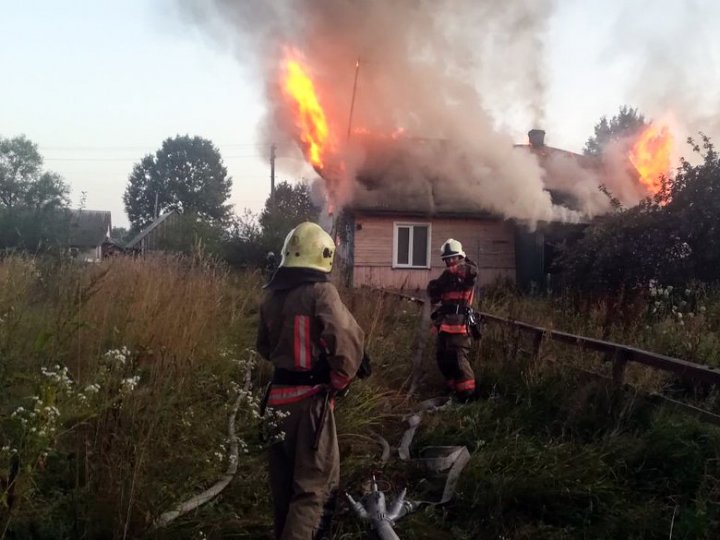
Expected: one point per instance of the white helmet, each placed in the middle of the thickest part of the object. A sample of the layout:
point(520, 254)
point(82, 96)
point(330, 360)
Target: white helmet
point(451, 248)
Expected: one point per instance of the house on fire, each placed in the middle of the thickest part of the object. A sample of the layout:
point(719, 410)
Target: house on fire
point(393, 242)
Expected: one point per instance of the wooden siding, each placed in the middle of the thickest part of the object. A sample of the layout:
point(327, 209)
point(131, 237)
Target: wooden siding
point(156, 239)
point(491, 244)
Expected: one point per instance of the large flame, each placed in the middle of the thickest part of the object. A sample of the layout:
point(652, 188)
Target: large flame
point(310, 116)
point(651, 155)
point(321, 136)
point(318, 135)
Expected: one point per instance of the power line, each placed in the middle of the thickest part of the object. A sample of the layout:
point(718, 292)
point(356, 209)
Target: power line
point(133, 159)
point(145, 147)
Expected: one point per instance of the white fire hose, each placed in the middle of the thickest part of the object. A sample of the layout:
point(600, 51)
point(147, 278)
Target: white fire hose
point(373, 507)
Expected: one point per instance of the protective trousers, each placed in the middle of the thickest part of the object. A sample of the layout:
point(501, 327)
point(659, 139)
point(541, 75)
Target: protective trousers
point(304, 481)
point(452, 359)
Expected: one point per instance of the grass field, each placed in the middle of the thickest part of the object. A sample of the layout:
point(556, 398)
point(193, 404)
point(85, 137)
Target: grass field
point(117, 381)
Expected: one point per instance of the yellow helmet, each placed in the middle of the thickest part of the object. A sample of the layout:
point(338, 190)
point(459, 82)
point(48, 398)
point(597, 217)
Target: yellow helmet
point(308, 246)
point(451, 248)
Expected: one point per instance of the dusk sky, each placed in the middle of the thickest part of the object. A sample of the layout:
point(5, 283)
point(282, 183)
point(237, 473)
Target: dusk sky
point(99, 84)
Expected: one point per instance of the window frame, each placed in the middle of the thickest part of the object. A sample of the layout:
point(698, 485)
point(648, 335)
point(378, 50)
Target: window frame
point(411, 225)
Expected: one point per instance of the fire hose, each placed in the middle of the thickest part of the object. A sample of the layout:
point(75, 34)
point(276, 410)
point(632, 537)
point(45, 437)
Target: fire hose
point(373, 509)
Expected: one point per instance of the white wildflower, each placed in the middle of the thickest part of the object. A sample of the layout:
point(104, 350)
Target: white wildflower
point(92, 388)
point(51, 412)
point(129, 384)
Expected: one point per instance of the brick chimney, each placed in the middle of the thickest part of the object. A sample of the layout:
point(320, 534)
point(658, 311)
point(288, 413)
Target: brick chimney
point(537, 137)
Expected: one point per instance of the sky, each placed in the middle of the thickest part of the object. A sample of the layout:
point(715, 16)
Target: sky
point(100, 84)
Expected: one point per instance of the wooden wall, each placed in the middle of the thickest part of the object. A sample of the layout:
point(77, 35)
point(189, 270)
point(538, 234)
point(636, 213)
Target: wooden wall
point(491, 244)
point(160, 235)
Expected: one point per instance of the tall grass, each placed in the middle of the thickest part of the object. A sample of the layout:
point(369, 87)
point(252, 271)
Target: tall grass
point(156, 351)
point(154, 428)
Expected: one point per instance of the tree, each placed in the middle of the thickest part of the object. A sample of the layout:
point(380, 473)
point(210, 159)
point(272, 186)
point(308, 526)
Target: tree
point(245, 243)
point(31, 200)
point(121, 234)
point(190, 233)
point(186, 174)
point(252, 236)
point(626, 123)
point(22, 181)
point(291, 206)
point(672, 238)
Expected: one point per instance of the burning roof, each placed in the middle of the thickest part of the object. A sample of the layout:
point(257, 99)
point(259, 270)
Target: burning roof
point(395, 172)
point(339, 73)
point(396, 178)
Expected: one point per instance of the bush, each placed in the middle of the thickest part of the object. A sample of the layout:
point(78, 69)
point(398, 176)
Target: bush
point(671, 238)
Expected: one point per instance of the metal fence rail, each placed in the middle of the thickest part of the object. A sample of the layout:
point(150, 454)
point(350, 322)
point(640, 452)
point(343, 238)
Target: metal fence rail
point(618, 353)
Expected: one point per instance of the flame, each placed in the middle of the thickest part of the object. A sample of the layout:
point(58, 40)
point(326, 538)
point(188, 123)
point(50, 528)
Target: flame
point(651, 155)
point(310, 118)
point(315, 130)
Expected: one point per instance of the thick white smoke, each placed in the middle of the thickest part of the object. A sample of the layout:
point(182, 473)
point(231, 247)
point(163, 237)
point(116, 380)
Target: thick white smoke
point(427, 66)
point(673, 48)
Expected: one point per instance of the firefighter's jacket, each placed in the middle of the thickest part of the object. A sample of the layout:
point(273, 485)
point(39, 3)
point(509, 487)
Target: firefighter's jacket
point(305, 327)
point(454, 290)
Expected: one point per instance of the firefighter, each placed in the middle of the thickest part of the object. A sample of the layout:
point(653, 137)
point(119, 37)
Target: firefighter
point(454, 291)
point(316, 347)
point(270, 265)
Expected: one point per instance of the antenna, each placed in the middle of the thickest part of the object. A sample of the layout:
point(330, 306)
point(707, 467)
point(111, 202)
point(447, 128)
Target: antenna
point(352, 101)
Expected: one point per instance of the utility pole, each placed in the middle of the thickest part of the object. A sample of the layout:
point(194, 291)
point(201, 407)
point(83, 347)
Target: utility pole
point(155, 213)
point(272, 174)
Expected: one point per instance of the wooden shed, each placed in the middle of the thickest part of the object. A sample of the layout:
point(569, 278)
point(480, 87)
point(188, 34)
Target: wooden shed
point(154, 236)
point(88, 231)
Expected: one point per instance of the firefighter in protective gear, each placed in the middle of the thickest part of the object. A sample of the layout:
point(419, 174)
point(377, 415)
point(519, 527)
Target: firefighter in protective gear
point(270, 265)
point(316, 347)
point(454, 291)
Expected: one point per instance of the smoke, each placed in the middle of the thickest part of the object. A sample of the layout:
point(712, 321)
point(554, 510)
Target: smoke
point(675, 55)
point(578, 178)
point(430, 67)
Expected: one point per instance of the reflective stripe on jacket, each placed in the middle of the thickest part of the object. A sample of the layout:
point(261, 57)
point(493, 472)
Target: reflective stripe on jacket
point(454, 287)
point(296, 325)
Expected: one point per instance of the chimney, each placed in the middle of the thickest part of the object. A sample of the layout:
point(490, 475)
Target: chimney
point(537, 137)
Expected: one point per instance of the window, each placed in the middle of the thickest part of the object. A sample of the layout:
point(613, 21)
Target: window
point(411, 245)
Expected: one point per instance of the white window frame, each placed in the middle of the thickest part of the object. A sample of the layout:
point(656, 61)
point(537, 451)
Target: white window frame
point(411, 225)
